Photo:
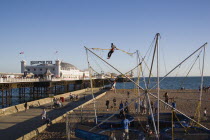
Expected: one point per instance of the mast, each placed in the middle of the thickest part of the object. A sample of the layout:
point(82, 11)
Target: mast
point(149, 102)
point(152, 87)
point(201, 87)
point(91, 84)
point(180, 63)
point(158, 84)
point(138, 79)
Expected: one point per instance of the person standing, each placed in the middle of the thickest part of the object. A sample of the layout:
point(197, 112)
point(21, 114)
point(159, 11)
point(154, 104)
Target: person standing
point(114, 102)
point(152, 105)
point(156, 106)
point(166, 99)
point(44, 114)
point(205, 113)
point(126, 106)
point(113, 85)
point(173, 104)
point(121, 109)
point(125, 124)
point(107, 105)
point(136, 105)
point(128, 94)
point(144, 107)
point(26, 106)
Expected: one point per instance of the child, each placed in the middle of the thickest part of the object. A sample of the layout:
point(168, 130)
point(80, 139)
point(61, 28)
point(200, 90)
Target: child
point(107, 105)
point(173, 104)
point(205, 113)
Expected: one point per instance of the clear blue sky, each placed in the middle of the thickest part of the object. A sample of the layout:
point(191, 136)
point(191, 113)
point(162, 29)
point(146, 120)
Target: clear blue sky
point(41, 27)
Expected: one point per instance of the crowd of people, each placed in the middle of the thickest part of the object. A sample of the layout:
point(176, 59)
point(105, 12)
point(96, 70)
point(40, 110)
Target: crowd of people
point(57, 103)
point(73, 97)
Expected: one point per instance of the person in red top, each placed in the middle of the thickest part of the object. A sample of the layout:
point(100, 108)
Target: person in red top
point(113, 47)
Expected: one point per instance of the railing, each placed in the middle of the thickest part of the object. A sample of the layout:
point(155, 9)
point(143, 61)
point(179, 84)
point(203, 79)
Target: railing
point(14, 80)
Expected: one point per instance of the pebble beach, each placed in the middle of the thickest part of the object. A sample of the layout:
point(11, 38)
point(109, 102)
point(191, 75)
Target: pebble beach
point(186, 102)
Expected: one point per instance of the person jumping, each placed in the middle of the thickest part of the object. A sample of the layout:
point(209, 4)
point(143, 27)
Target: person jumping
point(113, 47)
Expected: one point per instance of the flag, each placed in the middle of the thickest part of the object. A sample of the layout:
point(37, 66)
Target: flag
point(21, 52)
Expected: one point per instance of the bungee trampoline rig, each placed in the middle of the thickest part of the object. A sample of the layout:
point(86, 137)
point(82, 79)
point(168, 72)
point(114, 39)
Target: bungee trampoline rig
point(100, 124)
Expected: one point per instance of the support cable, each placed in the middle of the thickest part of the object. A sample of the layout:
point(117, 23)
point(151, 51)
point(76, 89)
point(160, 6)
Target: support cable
point(151, 93)
point(179, 64)
point(91, 82)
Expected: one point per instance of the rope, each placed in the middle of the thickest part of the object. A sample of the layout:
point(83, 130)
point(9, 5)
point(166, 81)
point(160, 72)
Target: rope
point(116, 49)
point(180, 64)
point(91, 81)
point(190, 70)
point(172, 124)
point(178, 119)
point(162, 50)
point(197, 113)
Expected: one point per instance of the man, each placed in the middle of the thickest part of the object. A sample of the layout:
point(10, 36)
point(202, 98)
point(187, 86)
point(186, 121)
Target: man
point(107, 105)
point(156, 106)
point(114, 102)
point(136, 104)
point(126, 106)
point(113, 47)
point(44, 113)
point(26, 106)
point(166, 99)
point(128, 93)
point(125, 124)
point(121, 110)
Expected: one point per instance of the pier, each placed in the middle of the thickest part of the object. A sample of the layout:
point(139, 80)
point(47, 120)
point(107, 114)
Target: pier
point(20, 123)
point(32, 90)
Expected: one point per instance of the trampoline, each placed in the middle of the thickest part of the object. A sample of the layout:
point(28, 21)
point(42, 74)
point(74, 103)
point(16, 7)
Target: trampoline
point(90, 135)
point(118, 133)
point(113, 122)
point(165, 120)
point(190, 133)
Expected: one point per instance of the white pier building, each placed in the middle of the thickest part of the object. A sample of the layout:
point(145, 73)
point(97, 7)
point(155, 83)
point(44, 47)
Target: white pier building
point(57, 70)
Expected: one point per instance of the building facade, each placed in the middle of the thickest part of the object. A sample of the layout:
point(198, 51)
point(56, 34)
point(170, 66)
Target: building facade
point(59, 69)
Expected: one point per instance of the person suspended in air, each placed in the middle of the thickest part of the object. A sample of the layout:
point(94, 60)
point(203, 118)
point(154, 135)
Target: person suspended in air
point(113, 47)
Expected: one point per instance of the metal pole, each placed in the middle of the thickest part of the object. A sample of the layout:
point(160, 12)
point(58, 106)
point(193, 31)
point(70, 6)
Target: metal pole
point(150, 72)
point(153, 120)
point(155, 85)
point(180, 63)
point(91, 83)
point(112, 67)
point(158, 86)
point(138, 73)
point(148, 98)
point(201, 91)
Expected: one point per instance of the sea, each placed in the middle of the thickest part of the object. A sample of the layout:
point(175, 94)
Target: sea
point(167, 83)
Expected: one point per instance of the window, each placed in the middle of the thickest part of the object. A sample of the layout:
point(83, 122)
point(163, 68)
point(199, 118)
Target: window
point(28, 69)
point(53, 69)
point(34, 69)
point(40, 69)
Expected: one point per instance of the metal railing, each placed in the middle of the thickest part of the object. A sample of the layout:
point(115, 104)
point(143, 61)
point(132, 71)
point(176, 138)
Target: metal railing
point(14, 80)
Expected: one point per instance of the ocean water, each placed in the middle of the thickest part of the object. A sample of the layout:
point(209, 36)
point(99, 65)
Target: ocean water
point(168, 83)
